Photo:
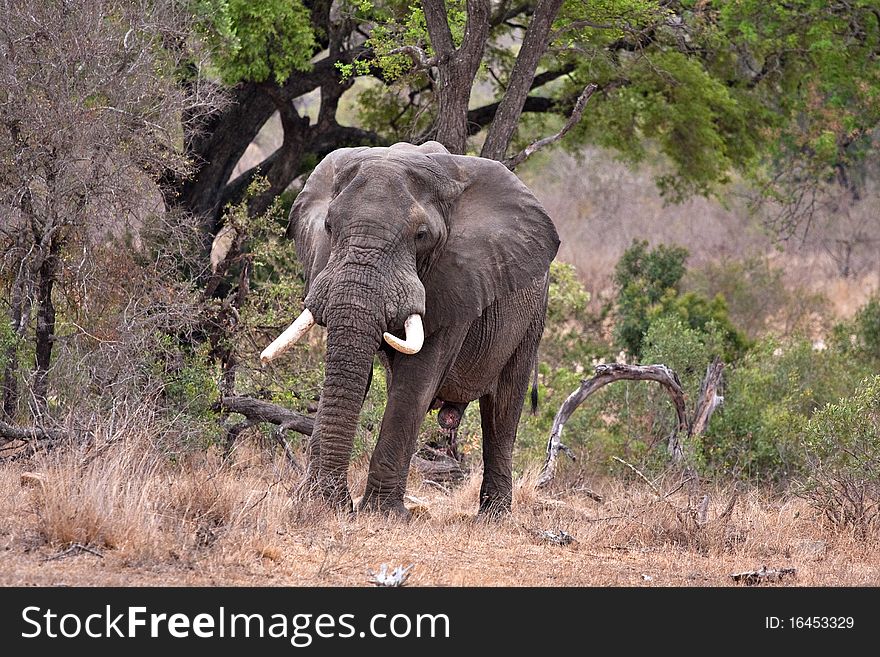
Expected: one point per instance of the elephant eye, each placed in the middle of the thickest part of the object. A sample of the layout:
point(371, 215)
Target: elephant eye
point(422, 232)
point(327, 226)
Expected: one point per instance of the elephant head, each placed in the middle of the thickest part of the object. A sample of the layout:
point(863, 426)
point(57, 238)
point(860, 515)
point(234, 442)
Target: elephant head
point(401, 241)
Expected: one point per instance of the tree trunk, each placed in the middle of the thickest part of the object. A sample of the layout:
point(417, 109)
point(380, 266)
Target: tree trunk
point(10, 371)
point(534, 45)
point(45, 330)
point(456, 68)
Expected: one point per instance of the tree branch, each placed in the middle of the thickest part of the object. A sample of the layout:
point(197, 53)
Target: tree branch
point(258, 410)
point(480, 117)
point(709, 398)
point(606, 374)
point(503, 13)
point(532, 148)
point(418, 56)
point(438, 27)
point(533, 47)
point(10, 432)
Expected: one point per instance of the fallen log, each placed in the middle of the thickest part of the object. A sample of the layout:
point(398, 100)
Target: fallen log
point(10, 432)
point(763, 574)
point(259, 410)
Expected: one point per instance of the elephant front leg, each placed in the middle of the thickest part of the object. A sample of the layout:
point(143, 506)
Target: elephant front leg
point(415, 383)
point(389, 464)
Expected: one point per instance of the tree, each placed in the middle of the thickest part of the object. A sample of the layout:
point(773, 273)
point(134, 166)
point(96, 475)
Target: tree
point(813, 67)
point(89, 118)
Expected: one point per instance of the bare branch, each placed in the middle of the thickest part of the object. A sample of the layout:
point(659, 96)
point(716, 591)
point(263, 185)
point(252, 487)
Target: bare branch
point(641, 476)
point(576, 114)
point(258, 410)
point(606, 374)
point(533, 47)
point(418, 56)
point(709, 398)
point(9, 432)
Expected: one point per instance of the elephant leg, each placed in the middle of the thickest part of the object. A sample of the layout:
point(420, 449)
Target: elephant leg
point(500, 411)
point(415, 384)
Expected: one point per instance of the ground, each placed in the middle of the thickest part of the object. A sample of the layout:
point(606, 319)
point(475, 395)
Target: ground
point(126, 515)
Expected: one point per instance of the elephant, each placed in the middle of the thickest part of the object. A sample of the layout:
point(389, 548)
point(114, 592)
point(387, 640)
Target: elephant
point(453, 253)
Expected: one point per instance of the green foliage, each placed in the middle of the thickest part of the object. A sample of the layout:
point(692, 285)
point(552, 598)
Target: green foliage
point(867, 324)
point(257, 40)
point(643, 279)
point(8, 340)
point(708, 316)
point(189, 377)
point(769, 398)
point(842, 444)
point(694, 119)
point(814, 64)
point(570, 332)
point(648, 285)
point(686, 349)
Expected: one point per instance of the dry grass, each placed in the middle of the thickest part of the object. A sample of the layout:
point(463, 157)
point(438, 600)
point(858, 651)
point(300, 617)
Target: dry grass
point(122, 513)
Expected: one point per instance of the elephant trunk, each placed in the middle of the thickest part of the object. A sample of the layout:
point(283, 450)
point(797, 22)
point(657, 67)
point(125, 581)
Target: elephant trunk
point(354, 333)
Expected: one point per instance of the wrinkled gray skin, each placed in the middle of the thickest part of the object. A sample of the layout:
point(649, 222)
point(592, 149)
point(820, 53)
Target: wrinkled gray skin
point(387, 232)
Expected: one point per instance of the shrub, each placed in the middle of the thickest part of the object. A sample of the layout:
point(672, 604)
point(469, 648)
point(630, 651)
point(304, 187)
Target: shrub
point(643, 278)
point(769, 397)
point(649, 284)
point(571, 333)
point(842, 443)
point(867, 325)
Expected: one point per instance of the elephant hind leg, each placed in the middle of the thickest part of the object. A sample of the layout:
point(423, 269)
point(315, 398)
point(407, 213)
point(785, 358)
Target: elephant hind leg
point(500, 412)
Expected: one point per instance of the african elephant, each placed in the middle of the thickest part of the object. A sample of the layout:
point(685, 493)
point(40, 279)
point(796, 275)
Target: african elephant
point(452, 251)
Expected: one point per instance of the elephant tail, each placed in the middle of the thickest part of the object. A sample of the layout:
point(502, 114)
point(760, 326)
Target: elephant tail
point(534, 409)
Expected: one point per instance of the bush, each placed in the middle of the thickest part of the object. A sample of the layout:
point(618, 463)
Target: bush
point(867, 325)
point(649, 284)
point(571, 333)
point(842, 443)
point(769, 398)
point(643, 278)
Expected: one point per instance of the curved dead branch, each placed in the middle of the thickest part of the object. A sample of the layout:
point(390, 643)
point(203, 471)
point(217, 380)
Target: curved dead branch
point(606, 374)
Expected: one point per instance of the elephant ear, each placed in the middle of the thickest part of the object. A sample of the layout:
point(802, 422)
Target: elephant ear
point(499, 240)
point(306, 221)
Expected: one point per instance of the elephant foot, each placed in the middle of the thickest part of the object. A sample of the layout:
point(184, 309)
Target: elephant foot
point(494, 507)
point(392, 508)
point(333, 491)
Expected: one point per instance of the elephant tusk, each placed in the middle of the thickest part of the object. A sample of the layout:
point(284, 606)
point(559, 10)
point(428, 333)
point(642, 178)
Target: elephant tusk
point(415, 336)
point(290, 337)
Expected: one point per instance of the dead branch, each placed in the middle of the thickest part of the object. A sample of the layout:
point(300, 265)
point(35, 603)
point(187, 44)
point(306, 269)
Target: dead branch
point(513, 162)
point(443, 468)
point(763, 574)
point(258, 410)
point(419, 57)
point(638, 472)
point(708, 401)
point(10, 432)
point(606, 374)
point(75, 547)
point(702, 514)
point(709, 398)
